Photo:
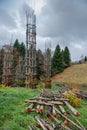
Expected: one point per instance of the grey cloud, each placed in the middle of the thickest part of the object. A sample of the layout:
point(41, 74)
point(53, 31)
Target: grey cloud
point(6, 19)
point(64, 19)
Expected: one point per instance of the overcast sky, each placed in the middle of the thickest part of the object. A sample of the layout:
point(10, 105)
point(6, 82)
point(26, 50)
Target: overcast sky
point(63, 22)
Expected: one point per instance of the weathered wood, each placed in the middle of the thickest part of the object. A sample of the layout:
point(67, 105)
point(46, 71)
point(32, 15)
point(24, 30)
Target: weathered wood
point(56, 102)
point(49, 99)
point(66, 123)
point(30, 128)
point(30, 107)
point(77, 121)
point(59, 123)
point(73, 123)
point(40, 123)
point(39, 102)
point(41, 109)
point(81, 94)
point(50, 122)
point(54, 112)
point(65, 127)
point(61, 99)
point(75, 112)
point(38, 108)
point(47, 125)
point(62, 110)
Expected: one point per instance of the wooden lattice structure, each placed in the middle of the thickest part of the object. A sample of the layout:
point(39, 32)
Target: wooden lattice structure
point(7, 77)
point(30, 59)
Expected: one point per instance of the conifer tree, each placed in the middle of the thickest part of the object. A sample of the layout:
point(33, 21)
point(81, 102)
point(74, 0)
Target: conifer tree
point(66, 56)
point(57, 61)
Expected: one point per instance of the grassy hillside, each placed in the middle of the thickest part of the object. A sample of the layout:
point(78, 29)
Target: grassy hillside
point(76, 74)
point(12, 108)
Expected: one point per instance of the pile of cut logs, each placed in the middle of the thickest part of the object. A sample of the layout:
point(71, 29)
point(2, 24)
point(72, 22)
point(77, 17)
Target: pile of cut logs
point(82, 94)
point(57, 111)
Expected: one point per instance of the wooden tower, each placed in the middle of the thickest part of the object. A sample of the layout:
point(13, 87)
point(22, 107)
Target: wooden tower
point(30, 59)
point(7, 77)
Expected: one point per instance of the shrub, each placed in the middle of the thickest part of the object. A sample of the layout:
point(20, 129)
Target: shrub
point(74, 100)
point(4, 86)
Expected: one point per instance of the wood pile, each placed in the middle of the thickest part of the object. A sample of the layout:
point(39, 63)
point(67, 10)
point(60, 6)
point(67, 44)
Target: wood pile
point(58, 114)
point(82, 94)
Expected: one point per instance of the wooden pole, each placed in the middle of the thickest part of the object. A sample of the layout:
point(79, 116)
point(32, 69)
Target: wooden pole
point(73, 123)
point(62, 110)
point(39, 102)
point(75, 112)
point(40, 123)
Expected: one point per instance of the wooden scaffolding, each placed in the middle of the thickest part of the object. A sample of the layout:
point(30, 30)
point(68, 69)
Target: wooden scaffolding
point(7, 66)
point(30, 59)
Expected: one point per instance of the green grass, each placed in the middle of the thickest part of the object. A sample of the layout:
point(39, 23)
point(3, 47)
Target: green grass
point(83, 113)
point(12, 108)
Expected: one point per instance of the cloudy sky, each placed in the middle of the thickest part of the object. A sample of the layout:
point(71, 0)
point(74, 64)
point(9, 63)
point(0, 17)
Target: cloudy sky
point(61, 22)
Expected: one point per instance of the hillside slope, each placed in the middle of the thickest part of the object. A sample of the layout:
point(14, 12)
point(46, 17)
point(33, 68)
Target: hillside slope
point(76, 74)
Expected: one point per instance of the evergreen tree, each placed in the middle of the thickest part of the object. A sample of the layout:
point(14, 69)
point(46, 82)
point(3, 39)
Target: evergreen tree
point(22, 49)
point(85, 59)
point(17, 45)
point(57, 61)
point(66, 57)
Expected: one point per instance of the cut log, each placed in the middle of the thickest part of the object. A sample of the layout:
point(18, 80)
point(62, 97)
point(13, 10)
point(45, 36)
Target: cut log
point(39, 102)
point(38, 108)
point(62, 110)
point(61, 99)
point(41, 109)
point(75, 112)
point(73, 123)
point(59, 123)
point(47, 125)
point(77, 121)
point(66, 123)
point(54, 112)
point(29, 108)
point(65, 127)
point(40, 123)
point(49, 99)
point(30, 128)
point(56, 102)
